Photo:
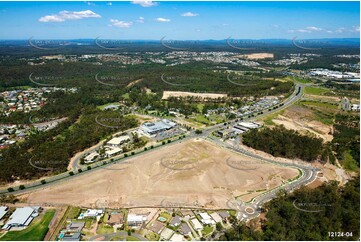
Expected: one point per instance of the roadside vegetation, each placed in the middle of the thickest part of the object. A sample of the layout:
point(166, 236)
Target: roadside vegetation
point(346, 141)
point(306, 215)
point(279, 141)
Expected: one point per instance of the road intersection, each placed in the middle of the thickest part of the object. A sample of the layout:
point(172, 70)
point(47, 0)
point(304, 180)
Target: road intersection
point(246, 210)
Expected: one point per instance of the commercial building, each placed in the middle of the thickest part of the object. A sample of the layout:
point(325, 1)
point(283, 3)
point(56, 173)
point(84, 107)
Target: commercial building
point(150, 129)
point(21, 218)
point(355, 107)
point(249, 125)
point(113, 151)
point(118, 140)
point(91, 157)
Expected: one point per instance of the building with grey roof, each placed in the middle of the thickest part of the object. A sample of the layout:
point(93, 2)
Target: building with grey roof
point(75, 226)
point(72, 236)
point(175, 221)
point(21, 218)
point(152, 128)
point(185, 230)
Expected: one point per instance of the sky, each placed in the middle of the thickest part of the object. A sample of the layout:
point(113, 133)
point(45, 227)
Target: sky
point(149, 20)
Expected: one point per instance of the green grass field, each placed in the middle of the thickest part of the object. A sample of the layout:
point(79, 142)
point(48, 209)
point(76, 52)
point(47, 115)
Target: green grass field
point(105, 229)
point(320, 104)
point(207, 230)
point(268, 119)
point(152, 236)
point(202, 119)
point(131, 238)
point(315, 90)
point(35, 232)
point(301, 80)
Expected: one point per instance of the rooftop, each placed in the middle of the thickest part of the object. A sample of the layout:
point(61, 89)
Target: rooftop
point(21, 217)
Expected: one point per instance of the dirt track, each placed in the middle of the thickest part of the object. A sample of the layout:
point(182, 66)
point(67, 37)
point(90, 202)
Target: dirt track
point(188, 173)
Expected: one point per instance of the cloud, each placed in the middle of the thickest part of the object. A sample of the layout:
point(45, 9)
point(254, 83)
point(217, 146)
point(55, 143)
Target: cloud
point(313, 28)
point(189, 14)
point(89, 3)
point(145, 3)
point(162, 19)
point(309, 29)
point(109, 3)
point(69, 15)
point(140, 20)
point(275, 26)
point(120, 24)
point(355, 29)
point(340, 30)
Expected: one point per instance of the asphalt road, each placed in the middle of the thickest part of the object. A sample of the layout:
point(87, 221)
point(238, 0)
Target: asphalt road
point(65, 176)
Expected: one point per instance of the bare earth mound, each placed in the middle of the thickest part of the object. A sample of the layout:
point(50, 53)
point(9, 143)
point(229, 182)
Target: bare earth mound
point(190, 173)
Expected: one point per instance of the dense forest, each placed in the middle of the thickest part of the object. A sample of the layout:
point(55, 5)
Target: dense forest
point(194, 77)
point(279, 141)
point(346, 138)
point(307, 215)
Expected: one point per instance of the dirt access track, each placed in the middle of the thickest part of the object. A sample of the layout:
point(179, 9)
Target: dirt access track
point(189, 173)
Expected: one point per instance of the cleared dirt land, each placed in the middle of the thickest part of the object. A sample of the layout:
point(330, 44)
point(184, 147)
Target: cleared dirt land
point(168, 94)
point(257, 56)
point(190, 173)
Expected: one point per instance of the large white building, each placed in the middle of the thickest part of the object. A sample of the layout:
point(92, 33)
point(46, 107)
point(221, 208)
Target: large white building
point(21, 218)
point(150, 129)
point(117, 141)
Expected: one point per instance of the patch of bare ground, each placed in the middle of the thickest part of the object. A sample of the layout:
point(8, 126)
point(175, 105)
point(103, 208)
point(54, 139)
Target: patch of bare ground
point(257, 56)
point(302, 119)
point(134, 82)
point(168, 94)
point(187, 172)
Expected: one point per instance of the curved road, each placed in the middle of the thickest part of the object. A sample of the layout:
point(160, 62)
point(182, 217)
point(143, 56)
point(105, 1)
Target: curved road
point(296, 95)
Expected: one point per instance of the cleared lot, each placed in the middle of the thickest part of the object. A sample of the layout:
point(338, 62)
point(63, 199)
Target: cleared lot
point(194, 172)
point(168, 94)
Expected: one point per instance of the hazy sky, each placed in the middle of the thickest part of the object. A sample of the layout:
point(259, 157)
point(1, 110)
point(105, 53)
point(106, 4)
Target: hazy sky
point(179, 20)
